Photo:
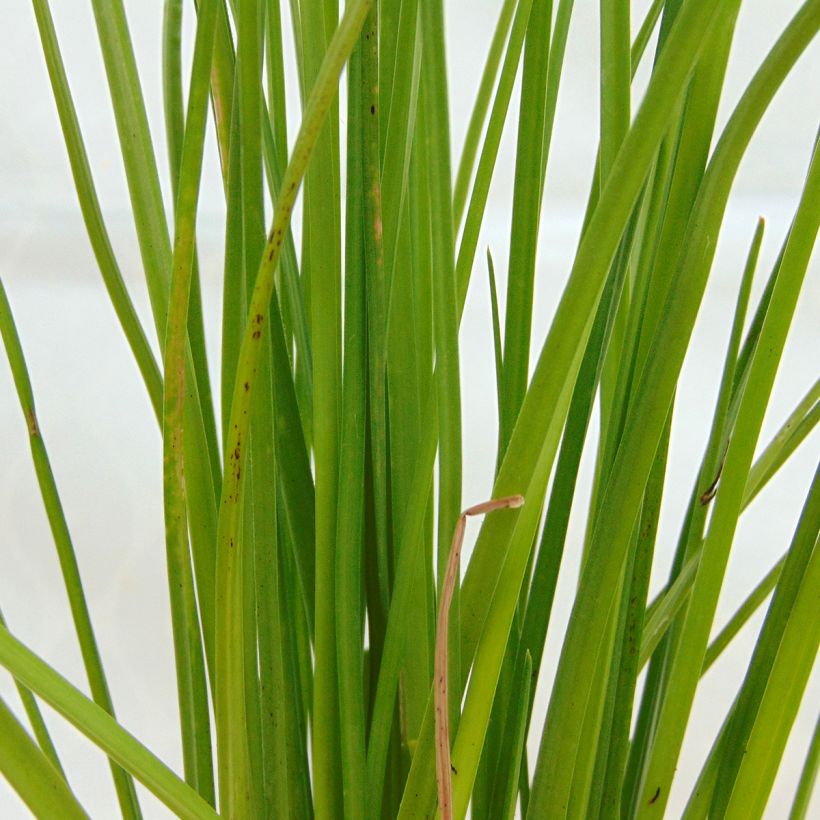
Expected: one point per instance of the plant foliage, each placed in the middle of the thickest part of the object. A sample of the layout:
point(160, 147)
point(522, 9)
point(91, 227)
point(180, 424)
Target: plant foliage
point(330, 658)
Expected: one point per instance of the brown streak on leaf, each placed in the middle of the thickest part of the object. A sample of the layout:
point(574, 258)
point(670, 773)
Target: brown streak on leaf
point(31, 421)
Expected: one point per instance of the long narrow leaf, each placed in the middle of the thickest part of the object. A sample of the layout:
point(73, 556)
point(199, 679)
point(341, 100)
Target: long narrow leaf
point(99, 727)
point(66, 555)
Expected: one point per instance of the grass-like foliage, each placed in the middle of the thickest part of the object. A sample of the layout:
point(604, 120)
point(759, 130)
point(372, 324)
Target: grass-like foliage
point(331, 659)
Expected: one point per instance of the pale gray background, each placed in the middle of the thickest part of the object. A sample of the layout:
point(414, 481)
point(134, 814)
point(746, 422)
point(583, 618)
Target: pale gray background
point(103, 439)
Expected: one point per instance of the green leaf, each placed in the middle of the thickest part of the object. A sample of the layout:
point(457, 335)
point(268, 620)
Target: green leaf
point(38, 725)
point(515, 737)
point(480, 107)
point(808, 777)
point(190, 663)
point(91, 211)
point(685, 669)
point(229, 697)
point(350, 523)
point(40, 785)
point(653, 393)
point(529, 171)
point(782, 659)
point(92, 661)
point(99, 727)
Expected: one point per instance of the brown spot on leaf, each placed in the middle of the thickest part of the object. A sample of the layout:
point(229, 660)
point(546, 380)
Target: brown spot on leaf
point(31, 421)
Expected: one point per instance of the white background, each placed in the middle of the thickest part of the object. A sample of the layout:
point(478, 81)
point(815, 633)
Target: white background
point(103, 440)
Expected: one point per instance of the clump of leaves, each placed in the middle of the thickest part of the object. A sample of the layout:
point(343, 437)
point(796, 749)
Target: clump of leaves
point(317, 609)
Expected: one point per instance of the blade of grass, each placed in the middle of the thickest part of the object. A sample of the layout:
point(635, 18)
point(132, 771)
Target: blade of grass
point(697, 806)
point(550, 553)
point(525, 218)
point(222, 83)
point(688, 661)
point(31, 774)
point(275, 144)
point(547, 563)
point(92, 661)
point(765, 652)
point(647, 229)
point(272, 710)
point(276, 80)
point(666, 606)
point(663, 610)
point(644, 34)
point(390, 46)
point(489, 149)
point(350, 524)
point(613, 742)
point(388, 641)
point(234, 297)
point(284, 587)
point(38, 724)
point(397, 113)
point(615, 96)
point(638, 50)
point(229, 697)
point(407, 271)
point(647, 418)
point(788, 438)
point(190, 664)
point(292, 297)
point(286, 770)
point(484, 676)
point(481, 105)
point(587, 783)
point(172, 98)
point(721, 430)
point(504, 799)
point(497, 340)
point(376, 293)
point(490, 650)
point(174, 133)
point(808, 777)
point(445, 309)
point(615, 81)
point(203, 473)
point(691, 154)
point(293, 465)
point(91, 211)
point(259, 525)
point(559, 360)
point(688, 147)
point(777, 676)
point(254, 729)
point(411, 371)
point(321, 265)
point(138, 153)
point(101, 729)
point(742, 614)
point(444, 291)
